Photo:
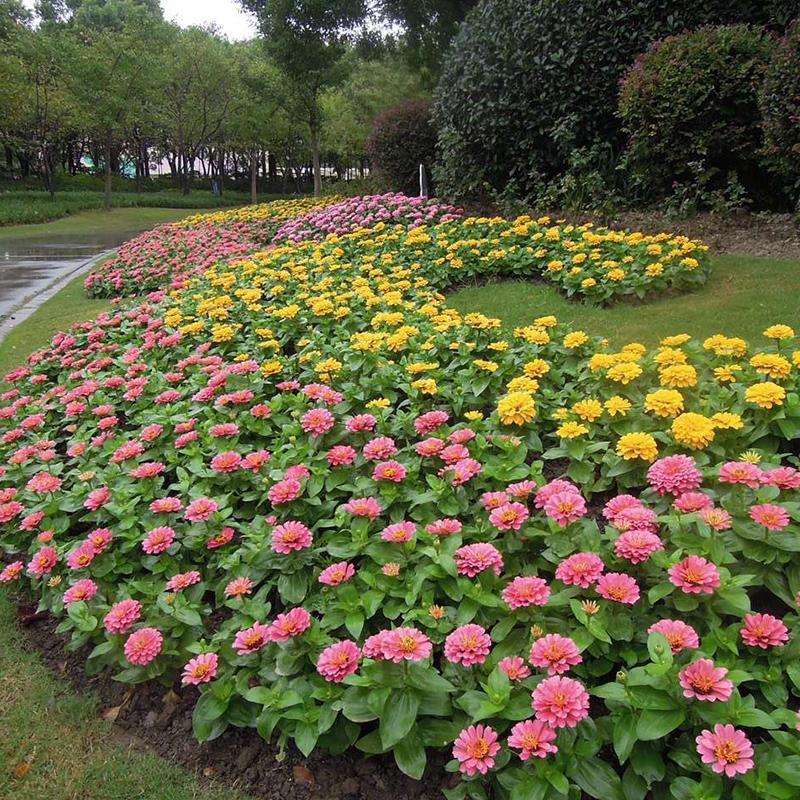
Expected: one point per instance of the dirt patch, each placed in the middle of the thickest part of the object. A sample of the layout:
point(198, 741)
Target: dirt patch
point(159, 719)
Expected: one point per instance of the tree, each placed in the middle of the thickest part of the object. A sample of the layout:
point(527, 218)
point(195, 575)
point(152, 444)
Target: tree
point(308, 39)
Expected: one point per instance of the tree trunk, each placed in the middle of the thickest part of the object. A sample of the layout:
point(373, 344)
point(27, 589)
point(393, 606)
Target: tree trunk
point(108, 172)
point(253, 176)
point(272, 167)
point(221, 169)
point(315, 158)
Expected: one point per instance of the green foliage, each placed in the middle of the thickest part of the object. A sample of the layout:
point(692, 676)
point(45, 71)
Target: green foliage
point(690, 108)
point(527, 83)
point(779, 100)
point(402, 138)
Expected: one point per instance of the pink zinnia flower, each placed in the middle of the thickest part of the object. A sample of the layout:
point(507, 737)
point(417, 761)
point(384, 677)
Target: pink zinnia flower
point(122, 615)
point(635, 516)
point(558, 486)
point(361, 422)
point(429, 422)
point(716, 518)
point(389, 471)
point(147, 470)
point(429, 447)
point(220, 539)
point(405, 644)
point(580, 569)
point(561, 702)
point(317, 421)
point(81, 556)
point(42, 562)
point(297, 472)
point(158, 540)
point(142, 646)
point(284, 491)
point(339, 660)
point(166, 505)
point(619, 587)
point(727, 749)
point(11, 571)
point(510, 516)
point(782, 478)
point(764, 630)
point(703, 681)
point(532, 737)
point(379, 448)
point(201, 509)
point(251, 639)
point(467, 645)
point(444, 527)
point(399, 532)
point(679, 635)
point(224, 430)
point(772, 517)
point(475, 749)
point(492, 500)
point(741, 472)
point(515, 668)
point(229, 461)
point(521, 490)
point(453, 453)
point(674, 474)
point(363, 507)
point(183, 580)
point(637, 545)
point(479, 557)
point(565, 508)
point(292, 535)
point(341, 455)
point(555, 653)
point(290, 624)
point(526, 590)
point(689, 502)
point(200, 669)
point(337, 573)
point(84, 589)
point(43, 483)
point(695, 575)
point(464, 471)
point(238, 587)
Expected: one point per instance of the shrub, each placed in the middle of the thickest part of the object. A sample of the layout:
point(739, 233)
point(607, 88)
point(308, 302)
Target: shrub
point(402, 138)
point(692, 99)
point(526, 83)
point(779, 100)
point(311, 493)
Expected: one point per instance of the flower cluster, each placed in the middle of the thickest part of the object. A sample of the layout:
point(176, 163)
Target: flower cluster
point(344, 514)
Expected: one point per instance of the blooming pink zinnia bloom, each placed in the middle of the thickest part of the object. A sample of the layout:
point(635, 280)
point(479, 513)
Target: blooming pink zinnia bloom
point(292, 535)
point(741, 472)
point(220, 539)
point(580, 569)
point(703, 681)
point(201, 509)
point(200, 669)
point(238, 587)
point(557, 486)
point(532, 737)
point(555, 653)
point(251, 639)
point(514, 667)
point(339, 660)
point(84, 589)
point(42, 561)
point(406, 644)
point(475, 749)
point(619, 587)
point(467, 645)
point(142, 646)
point(464, 471)
point(679, 635)
point(561, 702)
point(147, 470)
point(429, 422)
point(565, 508)
point(317, 421)
point(772, 517)
point(183, 580)
point(674, 475)
point(510, 516)
point(782, 478)
point(526, 590)
point(361, 422)
point(284, 491)
point(43, 483)
point(726, 749)
point(472, 559)
point(764, 630)
point(337, 573)
point(11, 571)
point(716, 518)
point(341, 455)
point(81, 556)
point(492, 500)
point(389, 471)
point(637, 545)
point(229, 461)
point(166, 505)
point(695, 575)
point(290, 624)
point(521, 490)
point(636, 516)
point(453, 453)
point(444, 527)
point(363, 507)
point(379, 448)
point(429, 447)
point(158, 540)
point(122, 615)
point(399, 532)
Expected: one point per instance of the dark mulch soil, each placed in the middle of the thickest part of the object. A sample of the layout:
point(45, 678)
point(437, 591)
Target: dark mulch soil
point(153, 717)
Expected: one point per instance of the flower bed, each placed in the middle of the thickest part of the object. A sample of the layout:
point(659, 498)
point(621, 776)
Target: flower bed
point(353, 517)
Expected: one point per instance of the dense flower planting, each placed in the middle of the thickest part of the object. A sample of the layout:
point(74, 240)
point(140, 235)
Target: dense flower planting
point(351, 516)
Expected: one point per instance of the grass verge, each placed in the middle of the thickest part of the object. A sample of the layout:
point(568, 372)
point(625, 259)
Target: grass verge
point(742, 297)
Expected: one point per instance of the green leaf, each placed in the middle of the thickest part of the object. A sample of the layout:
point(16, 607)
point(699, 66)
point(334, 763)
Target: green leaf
point(596, 778)
point(410, 756)
point(399, 716)
point(208, 712)
point(305, 737)
point(655, 724)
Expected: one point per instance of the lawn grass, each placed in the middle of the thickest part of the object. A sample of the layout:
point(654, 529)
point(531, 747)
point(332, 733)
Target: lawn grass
point(742, 297)
point(55, 746)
